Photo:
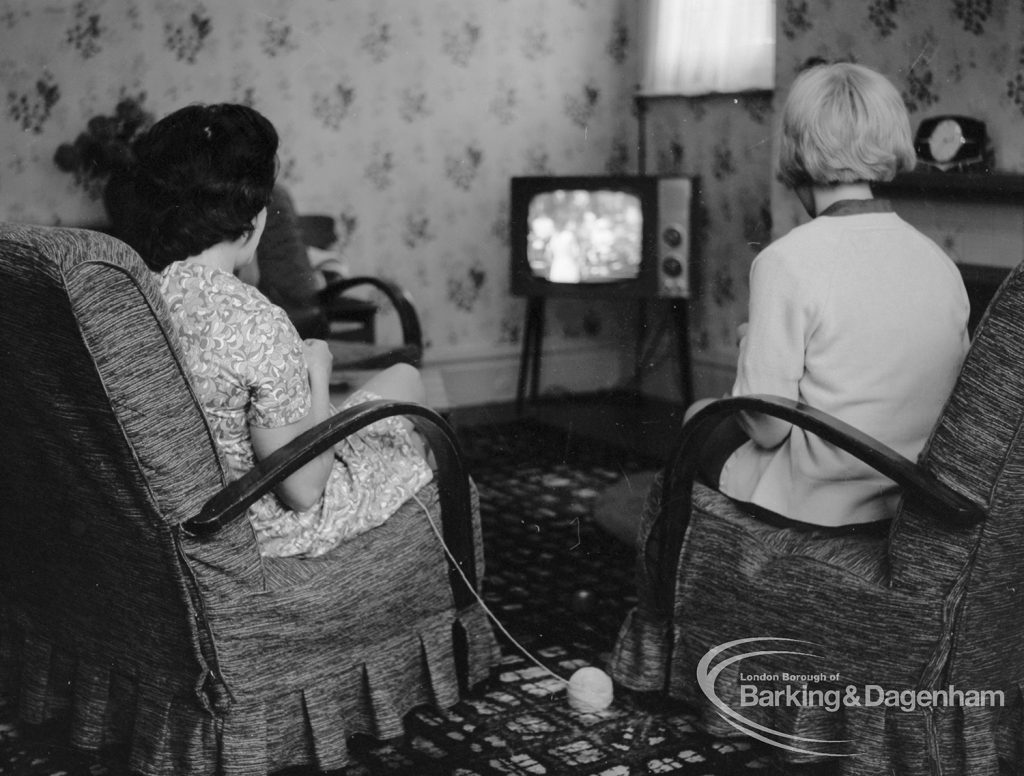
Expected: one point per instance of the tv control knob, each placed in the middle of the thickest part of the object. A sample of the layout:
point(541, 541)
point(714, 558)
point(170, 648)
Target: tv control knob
point(673, 236)
point(672, 267)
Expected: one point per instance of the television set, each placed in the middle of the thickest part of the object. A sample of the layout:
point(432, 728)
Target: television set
point(602, 236)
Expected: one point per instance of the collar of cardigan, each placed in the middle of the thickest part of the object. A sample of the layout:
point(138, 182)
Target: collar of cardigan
point(854, 207)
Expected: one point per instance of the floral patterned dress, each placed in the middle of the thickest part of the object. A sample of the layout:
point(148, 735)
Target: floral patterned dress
point(248, 369)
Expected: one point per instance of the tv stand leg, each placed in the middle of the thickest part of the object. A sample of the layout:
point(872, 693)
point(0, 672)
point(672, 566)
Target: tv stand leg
point(680, 316)
point(529, 360)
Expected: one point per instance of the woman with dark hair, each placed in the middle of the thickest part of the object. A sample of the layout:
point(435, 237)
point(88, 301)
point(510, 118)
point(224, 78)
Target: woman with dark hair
point(194, 207)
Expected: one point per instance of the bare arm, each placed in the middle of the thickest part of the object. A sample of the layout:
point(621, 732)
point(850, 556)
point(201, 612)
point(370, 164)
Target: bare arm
point(301, 490)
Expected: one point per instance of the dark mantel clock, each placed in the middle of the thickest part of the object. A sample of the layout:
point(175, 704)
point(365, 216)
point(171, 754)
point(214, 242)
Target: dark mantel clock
point(953, 143)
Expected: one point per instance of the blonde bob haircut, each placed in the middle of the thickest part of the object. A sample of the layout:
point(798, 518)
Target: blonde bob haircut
point(843, 123)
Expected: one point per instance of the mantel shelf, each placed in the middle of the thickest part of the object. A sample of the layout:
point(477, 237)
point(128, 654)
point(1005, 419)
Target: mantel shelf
point(966, 187)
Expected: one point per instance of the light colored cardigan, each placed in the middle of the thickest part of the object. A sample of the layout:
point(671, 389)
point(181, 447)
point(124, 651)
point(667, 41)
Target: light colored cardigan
point(858, 314)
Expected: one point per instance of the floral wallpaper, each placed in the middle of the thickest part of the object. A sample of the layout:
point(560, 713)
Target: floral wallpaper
point(403, 119)
point(945, 56)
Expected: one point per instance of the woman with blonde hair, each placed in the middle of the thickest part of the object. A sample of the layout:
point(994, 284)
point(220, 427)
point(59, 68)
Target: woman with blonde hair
point(855, 313)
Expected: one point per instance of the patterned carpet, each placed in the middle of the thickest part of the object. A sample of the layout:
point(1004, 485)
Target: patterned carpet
point(561, 587)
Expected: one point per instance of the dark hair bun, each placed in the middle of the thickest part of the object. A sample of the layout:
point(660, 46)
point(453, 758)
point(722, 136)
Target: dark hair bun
point(201, 175)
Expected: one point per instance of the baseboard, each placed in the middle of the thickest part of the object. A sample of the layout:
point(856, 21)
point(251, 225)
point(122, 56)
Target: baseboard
point(489, 378)
point(486, 378)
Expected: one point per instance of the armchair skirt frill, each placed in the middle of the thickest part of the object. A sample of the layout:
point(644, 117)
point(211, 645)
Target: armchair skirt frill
point(327, 668)
point(185, 645)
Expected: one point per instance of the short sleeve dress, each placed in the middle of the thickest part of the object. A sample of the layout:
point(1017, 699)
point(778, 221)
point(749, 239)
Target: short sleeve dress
point(248, 369)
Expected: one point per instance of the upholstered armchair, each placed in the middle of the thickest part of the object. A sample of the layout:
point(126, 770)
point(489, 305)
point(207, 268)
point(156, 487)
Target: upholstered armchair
point(936, 605)
point(133, 600)
point(319, 300)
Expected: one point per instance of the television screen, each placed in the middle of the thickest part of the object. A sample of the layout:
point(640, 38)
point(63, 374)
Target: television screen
point(600, 236)
point(585, 235)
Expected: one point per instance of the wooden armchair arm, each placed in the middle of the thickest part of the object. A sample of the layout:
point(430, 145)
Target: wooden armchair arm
point(917, 483)
point(451, 476)
point(412, 333)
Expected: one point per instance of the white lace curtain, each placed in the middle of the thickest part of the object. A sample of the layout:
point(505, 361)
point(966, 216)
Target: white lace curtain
point(692, 47)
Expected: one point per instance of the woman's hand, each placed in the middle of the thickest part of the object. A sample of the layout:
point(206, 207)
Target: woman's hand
point(741, 333)
point(319, 361)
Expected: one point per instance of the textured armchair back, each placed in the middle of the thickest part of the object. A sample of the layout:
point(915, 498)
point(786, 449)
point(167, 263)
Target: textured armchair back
point(104, 452)
point(978, 449)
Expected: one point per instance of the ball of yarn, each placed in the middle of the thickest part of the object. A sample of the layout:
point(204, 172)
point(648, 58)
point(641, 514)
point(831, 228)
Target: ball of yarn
point(590, 690)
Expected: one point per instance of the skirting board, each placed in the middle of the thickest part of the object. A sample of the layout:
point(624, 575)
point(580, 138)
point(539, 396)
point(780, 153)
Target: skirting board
point(481, 378)
point(473, 379)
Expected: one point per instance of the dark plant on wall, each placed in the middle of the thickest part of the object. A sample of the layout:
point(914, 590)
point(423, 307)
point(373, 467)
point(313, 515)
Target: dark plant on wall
point(105, 146)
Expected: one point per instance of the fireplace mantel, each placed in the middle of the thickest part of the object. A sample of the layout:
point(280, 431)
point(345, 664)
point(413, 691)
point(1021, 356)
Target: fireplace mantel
point(957, 186)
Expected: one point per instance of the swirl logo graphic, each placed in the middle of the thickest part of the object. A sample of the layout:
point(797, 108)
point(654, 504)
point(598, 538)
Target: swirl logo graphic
point(713, 663)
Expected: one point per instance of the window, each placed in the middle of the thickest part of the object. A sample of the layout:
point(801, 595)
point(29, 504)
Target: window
point(692, 47)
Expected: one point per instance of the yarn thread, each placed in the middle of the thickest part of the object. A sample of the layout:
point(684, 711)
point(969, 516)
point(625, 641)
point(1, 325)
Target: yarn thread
point(589, 690)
